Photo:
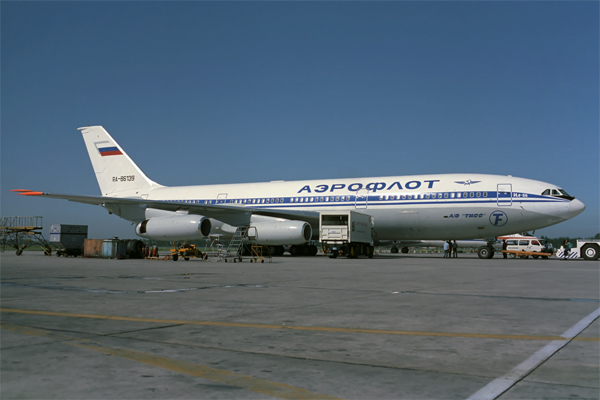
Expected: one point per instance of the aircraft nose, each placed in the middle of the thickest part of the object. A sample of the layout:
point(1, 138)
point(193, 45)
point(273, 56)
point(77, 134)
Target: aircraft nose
point(576, 207)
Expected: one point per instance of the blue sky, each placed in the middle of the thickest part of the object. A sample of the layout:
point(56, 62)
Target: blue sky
point(227, 92)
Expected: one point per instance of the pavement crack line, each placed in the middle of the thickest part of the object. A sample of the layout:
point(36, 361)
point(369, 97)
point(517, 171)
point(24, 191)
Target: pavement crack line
point(297, 327)
point(497, 387)
point(269, 388)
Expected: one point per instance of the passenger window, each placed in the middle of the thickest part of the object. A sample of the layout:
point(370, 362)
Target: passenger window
point(523, 242)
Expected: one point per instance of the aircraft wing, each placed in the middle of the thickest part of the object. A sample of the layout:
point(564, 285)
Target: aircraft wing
point(229, 213)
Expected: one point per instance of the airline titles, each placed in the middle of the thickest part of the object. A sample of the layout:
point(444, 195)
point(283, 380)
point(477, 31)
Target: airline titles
point(372, 187)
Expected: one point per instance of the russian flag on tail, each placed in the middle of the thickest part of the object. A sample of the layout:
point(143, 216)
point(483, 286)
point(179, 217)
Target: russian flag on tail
point(109, 151)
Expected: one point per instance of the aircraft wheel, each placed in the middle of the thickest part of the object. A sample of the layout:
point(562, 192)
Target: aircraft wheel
point(590, 252)
point(405, 250)
point(485, 252)
point(394, 250)
point(175, 257)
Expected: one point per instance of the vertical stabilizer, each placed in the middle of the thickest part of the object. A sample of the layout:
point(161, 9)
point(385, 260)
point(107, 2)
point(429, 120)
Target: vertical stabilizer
point(116, 173)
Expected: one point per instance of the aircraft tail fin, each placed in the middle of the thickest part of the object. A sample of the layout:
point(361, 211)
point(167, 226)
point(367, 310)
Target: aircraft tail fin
point(115, 171)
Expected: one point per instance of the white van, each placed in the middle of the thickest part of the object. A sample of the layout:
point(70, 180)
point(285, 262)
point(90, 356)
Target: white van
point(525, 243)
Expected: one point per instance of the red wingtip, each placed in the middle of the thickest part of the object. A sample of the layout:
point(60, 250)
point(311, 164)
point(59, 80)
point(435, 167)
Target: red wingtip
point(20, 190)
point(30, 193)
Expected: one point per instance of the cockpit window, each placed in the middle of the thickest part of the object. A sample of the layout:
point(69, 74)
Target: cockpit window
point(557, 193)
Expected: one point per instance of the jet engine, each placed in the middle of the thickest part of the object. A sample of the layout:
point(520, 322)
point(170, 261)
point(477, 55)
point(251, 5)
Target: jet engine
point(279, 232)
point(181, 227)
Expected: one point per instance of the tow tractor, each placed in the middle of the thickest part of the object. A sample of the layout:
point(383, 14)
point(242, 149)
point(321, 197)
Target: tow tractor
point(187, 251)
point(586, 249)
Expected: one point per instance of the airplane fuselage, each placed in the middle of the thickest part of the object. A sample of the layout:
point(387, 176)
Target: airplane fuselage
point(457, 206)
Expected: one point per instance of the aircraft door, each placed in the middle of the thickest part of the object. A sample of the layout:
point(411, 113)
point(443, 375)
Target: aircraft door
point(222, 198)
point(505, 194)
point(362, 199)
point(252, 233)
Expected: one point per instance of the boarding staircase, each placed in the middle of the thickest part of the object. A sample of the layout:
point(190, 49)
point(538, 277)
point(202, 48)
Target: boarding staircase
point(234, 249)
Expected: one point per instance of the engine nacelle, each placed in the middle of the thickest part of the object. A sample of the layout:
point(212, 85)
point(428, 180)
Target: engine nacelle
point(180, 227)
point(279, 232)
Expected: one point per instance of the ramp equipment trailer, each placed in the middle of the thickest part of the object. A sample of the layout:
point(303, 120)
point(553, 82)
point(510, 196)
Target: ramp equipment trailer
point(526, 254)
point(346, 233)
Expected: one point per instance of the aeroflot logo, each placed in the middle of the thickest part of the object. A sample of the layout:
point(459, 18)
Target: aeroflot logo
point(372, 187)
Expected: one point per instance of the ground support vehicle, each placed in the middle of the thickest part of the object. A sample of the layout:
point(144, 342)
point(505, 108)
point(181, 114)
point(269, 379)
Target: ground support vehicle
point(347, 233)
point(517, 246)
point(187, 251)
point(586, 249)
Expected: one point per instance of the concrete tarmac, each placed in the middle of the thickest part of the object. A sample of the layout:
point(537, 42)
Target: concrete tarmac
point(391, 327)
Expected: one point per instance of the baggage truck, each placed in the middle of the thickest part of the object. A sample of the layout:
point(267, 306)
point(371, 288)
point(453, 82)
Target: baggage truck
point(68, 239)
point(347, 233)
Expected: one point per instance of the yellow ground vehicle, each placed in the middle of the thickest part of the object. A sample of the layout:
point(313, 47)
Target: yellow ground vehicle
point(186, 250)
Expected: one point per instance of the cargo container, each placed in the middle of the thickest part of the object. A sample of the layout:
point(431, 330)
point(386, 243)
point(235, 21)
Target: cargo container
point(68, 239)
point(92, 247)
point(114, 248)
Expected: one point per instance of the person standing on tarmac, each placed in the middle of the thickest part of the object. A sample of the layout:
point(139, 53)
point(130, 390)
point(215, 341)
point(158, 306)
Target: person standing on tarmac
point(455, 249)
point(567, 249)
point(504, 247)
point(446, 249)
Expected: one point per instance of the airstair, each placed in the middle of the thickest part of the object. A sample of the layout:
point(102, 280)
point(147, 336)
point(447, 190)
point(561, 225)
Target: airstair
point(234, 249)
point(214, 250)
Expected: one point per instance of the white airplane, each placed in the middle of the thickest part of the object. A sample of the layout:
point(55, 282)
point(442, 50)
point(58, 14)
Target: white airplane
point(424, 207)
